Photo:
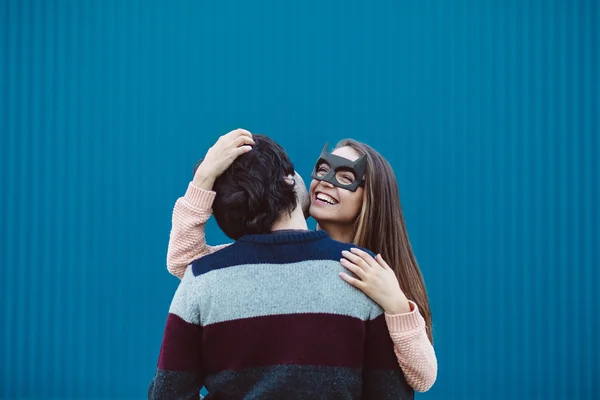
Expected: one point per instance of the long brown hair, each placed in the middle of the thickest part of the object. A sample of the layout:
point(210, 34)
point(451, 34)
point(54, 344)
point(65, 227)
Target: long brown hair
point(380, 227)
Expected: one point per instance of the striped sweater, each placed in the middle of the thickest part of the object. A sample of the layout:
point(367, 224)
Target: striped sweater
point(269, 318)
point(415, 354)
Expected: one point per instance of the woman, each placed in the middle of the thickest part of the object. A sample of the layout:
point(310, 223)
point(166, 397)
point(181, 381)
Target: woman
point(346, 185)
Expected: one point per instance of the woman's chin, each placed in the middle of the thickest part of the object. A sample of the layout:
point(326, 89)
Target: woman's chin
point(318, 212)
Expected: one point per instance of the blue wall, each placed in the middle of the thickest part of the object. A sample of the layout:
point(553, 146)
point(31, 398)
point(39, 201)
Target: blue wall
point(487, 110)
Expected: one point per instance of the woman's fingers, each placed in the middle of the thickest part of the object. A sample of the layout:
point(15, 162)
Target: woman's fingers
point(353, 268)
point(243, 132)
point(242, 150)
point(243, 140)
point(353, 281)
point(370, 261)
point(382, 262)
point(232, 136)
point(355, 259)
point(222, 154)
point(236, 133)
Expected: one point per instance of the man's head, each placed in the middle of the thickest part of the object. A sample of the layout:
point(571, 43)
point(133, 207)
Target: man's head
point(256, 190)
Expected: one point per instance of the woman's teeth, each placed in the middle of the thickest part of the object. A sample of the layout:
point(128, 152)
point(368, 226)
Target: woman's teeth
point(327, 199)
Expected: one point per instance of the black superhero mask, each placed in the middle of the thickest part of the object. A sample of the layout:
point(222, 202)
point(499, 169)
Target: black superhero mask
point(340, 171)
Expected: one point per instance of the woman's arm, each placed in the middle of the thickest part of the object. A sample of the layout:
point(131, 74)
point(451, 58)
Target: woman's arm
point(187, 241)
point(413, 349)
point(407, 327)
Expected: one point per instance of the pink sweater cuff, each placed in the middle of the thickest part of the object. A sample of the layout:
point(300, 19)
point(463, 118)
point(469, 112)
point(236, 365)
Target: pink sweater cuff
point(199, 198)
point(402, 323)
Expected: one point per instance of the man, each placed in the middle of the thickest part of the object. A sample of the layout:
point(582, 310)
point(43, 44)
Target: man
point(268, 317)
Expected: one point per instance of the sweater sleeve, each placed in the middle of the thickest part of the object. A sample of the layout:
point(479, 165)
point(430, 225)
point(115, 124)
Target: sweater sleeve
point(382, 376)
point(413, 349)
point(180, 371)
point(187, 241)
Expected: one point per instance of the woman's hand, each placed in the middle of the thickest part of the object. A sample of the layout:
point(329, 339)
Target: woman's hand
point(220, 157)
point(376, 279)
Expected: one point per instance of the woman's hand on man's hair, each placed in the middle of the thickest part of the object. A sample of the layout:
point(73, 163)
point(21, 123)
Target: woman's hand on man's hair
point(220, 157)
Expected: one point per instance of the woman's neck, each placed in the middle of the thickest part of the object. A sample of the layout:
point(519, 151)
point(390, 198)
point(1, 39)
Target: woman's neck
point(341, 233)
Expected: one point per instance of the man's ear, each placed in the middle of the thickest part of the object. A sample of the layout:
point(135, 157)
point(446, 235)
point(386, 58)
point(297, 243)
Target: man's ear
point(302, 194)
point(290, 179)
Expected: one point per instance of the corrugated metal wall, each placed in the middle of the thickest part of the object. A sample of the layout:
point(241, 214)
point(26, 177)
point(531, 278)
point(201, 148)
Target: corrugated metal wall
point(487, 110)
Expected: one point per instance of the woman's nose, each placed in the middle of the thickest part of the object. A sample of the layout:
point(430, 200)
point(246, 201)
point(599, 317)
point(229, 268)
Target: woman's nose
point(327, 184)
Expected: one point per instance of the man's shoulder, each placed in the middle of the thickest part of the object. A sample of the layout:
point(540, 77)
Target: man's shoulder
point(340, 246)
point(242, 253)
point(225, 257)
point(326, 249)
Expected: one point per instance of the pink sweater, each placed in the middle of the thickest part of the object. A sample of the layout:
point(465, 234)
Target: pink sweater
point(187, 243)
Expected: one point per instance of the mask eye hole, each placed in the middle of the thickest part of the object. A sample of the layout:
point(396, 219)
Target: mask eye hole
point(322, 169)
point(345, 177)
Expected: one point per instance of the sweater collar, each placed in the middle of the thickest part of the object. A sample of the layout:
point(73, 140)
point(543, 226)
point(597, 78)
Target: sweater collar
point(287, 236)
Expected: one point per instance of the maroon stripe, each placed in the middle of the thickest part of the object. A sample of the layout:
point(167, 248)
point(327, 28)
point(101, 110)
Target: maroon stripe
point(181, 348)
point(300, 339)
point(379, 350)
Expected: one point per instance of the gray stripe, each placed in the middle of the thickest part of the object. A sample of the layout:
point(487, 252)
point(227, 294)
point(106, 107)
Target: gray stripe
point(185, 300)
point(254, 290)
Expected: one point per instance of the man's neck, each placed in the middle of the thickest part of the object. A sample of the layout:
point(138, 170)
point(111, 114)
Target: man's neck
point(295, 221)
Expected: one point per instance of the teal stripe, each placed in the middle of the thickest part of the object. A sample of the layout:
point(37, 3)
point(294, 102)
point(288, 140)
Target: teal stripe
point(255, 290)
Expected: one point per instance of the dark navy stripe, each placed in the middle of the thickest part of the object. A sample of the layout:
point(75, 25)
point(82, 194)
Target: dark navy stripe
point(175, 385)
point(291, 382)
point(250, 251)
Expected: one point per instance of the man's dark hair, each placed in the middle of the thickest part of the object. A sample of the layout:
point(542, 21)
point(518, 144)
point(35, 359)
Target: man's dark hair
point(253, 193)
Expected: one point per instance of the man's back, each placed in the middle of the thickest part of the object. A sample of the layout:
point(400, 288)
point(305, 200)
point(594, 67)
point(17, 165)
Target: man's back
point(272, 319)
